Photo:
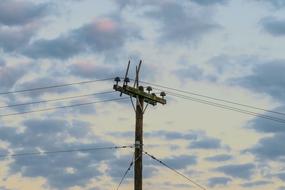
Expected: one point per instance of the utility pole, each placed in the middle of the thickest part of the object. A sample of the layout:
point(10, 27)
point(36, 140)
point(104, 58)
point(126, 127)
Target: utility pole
point(141, 97)
point(139, 143)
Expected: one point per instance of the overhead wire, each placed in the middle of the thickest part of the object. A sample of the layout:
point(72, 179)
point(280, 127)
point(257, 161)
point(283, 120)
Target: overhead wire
point(54, 86)
point(44, 153)
point(213, 98)
point(62, 107)
point(56, 99)
point(174, 170)
point(157, 85)
point(224, 106)
point(264, 116)
point(128, 169)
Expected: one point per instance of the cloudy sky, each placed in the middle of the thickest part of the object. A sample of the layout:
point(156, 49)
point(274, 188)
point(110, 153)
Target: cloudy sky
point(226, 49)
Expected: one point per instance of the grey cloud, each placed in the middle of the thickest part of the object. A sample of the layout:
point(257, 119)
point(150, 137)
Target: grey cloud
point(12, 39)
point(91, 70)
point(4, 188)
point(191, 72)
point(118, 166)
point(55, 169)
point(3, 152)
point(177, 135)
point(267, 126)
point(219, 158)
point(224, 63)
point(16, 12)
point(256, 183)
point(169, 135)
point(9, 75)
point(217, 181)
point(103, 35)
point(122, 134)
point(43, 133)
point(274, 26)
point(177, 162)
point(149, 171)
point(43, 82)
point(218, 69)
point(79, 132)
point(210, 2)
point(266, 78)
point(197, 139)
point(181, 24)
point(180, 162)
point(17, 25)
point(135, 3)
point(269, 148)
point(62, 47)
point(124, 3)
point(173, 135)
point(275, 3)
point(2, 62)
point(88, 70)
point(281, 176)
point(45, 126)
point(172, 185)
point(85, 109)
point(38, 95)
point(60, 170)
point(221, 63)
point(206, 143)
point(243, 171)
point(101, 40)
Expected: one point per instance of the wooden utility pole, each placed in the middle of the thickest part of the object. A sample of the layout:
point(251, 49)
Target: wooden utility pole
point(139, 143)
point(141, 97)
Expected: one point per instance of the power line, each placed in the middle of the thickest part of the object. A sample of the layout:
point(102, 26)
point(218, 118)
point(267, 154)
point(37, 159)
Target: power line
point(55, 86)
point(126, 172)
point(43, 153)
point(213, 98)
point(177, 172)
point(280, 120)
point(264, 116)
point(57, 99)
point(62, 107)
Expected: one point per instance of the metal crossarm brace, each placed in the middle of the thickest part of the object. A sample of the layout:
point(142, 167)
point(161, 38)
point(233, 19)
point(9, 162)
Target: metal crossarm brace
point(134, 92)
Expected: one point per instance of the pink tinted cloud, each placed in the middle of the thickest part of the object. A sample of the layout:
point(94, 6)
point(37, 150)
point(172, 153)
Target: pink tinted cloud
point(105, 25)
point(84, 66)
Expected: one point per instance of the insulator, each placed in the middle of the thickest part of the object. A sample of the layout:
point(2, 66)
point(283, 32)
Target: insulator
point(162, 94)
point(127, 80)
point(149, 88)
point(117, 79)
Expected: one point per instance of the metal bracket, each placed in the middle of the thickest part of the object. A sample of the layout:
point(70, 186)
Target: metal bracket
point(145, 107)
point(138, 144)
point(133, 104)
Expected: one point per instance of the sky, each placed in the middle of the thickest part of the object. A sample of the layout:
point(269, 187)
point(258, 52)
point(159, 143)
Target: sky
point(226, 49)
